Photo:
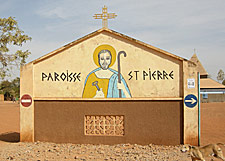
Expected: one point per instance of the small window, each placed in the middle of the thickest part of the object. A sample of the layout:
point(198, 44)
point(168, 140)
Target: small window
point(205, 95)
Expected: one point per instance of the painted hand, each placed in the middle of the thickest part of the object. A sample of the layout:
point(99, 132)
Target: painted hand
point(99, 94)
point(121, 86)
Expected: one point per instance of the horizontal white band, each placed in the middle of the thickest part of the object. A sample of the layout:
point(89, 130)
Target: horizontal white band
point(26, 101)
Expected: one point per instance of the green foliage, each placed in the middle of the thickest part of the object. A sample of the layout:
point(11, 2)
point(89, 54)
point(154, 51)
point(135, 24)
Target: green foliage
point(11, 89)
point(15, 85)
point(11, 35)
point(5, 87)
point(220, 75)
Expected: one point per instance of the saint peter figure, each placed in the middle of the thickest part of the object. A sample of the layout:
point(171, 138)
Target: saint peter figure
point(103, 81)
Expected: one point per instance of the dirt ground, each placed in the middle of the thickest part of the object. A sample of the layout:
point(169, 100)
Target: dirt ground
point(212, 131)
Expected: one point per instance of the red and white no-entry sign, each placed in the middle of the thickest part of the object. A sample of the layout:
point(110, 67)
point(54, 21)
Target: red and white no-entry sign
point(26, 100)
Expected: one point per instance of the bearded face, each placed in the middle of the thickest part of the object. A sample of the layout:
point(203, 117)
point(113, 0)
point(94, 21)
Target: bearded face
point(104, 59)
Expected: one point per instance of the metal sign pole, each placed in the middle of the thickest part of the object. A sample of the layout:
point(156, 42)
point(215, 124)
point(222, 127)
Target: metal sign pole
point(199, 112)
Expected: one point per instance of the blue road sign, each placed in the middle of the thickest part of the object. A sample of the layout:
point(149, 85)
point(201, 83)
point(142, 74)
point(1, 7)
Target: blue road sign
point(190, 100)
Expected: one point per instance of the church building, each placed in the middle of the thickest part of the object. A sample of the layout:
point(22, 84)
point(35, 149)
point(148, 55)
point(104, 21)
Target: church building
point(211, 90)
point(109, 88)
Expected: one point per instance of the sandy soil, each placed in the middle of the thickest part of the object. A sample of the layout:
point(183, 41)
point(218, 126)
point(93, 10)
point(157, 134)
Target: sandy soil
point(212, 131)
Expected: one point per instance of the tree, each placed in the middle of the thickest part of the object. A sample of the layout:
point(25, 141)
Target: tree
point(10, 89)
point(11, 35)
point(220, 75)
point(5, 88)
point(15, 86)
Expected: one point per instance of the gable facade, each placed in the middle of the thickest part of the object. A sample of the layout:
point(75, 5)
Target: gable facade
point(84, 80)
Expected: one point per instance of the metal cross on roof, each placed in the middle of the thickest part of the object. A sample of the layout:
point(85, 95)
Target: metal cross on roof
point(105, 16)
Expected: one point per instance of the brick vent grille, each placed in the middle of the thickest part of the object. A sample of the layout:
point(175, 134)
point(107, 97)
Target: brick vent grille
point(104, 125)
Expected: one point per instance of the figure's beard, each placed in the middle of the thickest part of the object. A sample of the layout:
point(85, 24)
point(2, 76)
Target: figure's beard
point(104, 66)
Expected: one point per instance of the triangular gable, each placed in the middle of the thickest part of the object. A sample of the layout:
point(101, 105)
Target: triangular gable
point(200, 67)
point(101, 31)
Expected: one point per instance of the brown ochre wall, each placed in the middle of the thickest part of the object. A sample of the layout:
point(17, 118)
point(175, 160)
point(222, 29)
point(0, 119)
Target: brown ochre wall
point(145, 122)
point(213, 98)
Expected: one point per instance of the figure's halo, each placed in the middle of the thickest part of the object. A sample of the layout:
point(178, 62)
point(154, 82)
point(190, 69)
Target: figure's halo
point(104, 47)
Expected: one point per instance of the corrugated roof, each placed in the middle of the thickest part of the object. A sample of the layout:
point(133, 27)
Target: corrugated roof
point(101, 31)
point(210, 83)
point(200, 68)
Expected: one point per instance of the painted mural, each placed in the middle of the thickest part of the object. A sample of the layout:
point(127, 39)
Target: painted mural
point(104, 82)
point(103, 67)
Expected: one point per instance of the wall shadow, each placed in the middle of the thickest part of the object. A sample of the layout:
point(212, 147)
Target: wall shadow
point(12, 137)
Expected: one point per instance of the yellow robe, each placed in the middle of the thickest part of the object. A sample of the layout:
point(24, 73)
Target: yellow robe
point(90, 90)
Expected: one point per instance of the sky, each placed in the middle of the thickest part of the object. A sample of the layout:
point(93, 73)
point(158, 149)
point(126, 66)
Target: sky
point(176, 26)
